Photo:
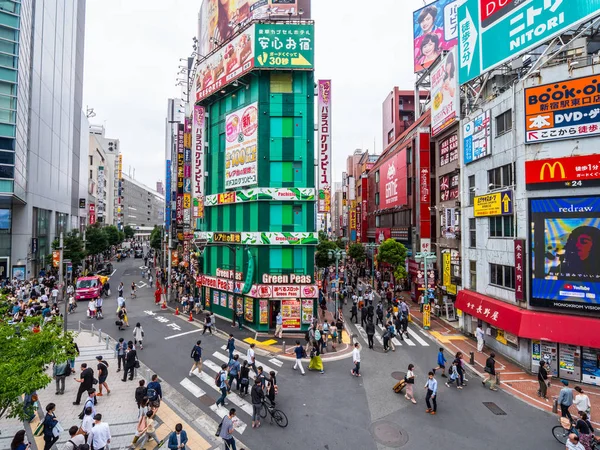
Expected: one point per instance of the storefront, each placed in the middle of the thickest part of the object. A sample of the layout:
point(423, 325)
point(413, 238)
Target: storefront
point(569, 344)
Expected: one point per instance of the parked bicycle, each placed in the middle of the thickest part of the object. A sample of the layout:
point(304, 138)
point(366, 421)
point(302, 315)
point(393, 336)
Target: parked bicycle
point(276, 414)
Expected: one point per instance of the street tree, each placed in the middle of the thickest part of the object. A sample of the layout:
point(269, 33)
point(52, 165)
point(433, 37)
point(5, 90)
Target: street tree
point(322, 254)
point(72, 247)
point(121, 236)
point(357, 252)
point(393, 253)
point(25, 356)
point(95, 240)
point(156, 238)
point(112, 234)
point(129, 232)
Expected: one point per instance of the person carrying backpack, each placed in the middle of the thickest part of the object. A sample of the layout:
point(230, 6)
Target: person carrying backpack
point(154, 393)
point(379, 313)
point(221, 383)
point(196, 355)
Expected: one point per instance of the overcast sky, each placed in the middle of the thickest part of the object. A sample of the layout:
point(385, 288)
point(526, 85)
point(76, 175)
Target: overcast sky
point(133, 48)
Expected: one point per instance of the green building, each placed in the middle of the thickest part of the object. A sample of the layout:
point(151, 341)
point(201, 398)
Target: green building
point(259, 185)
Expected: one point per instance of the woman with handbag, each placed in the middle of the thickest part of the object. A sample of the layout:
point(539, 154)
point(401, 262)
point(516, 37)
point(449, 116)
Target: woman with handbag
point(138, 335)
point(410, 381)
point(52, 428)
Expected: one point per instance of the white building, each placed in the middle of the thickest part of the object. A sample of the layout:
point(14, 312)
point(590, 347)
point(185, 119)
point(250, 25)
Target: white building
point(143, 207)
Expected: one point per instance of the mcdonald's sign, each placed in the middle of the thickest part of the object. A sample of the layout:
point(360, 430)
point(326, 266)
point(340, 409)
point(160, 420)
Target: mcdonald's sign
point(557, 173)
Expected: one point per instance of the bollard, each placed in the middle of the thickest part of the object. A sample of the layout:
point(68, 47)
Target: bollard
point(79, 327)
point(283, 344)
point(472, 358)
point(99, 334)
point(107, 338)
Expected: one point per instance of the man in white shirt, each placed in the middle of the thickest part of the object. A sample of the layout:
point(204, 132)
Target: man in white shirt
point(88, 421)
point(573, 443)
point(55, 295)
point(479, 334)
point(250, 358)
point(356, 359)
point(75, 440)
point(100, 434)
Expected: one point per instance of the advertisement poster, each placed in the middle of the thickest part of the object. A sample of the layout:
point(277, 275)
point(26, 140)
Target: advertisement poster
point(307, 311)
point(445, 94)
point(324, 142)
point(477, 138)
point(254, 238)
point(216, 297)
point(249, 309)
point(258, 194)
point(241, 130)
point(449, 150)
point(174, 259)
point(198, 150)
point(435, 30)
point(92, 213)
point(558, 173)
point(230, 302)
point(392, 181)
point(207, 297)
point(18, 272)
point(290, 312)
point(224, 299)
point(564, 255)
point(590, 366)
point(264, 311)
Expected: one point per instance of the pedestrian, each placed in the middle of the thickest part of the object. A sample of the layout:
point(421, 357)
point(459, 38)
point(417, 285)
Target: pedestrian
point(379, 314)
point(490, 369)
point(334, 335)
point(585, 430)
point(356, 360)
point(565, 400)
point(87, 423)
point(100, 435)
point(278, 325)
point(91, 401)
point(392, 332)
point(339, 324)
point(459, 368)
point(542, 380)
point(363, 315)
point(354, 311)
point(140, 392)
point(130, 362)
point(316, 363)
point(120, 349)
point(85, 380)
point(227, 427)
point(272, 387)
point(230, 346)
point(479, 334)
point(453, 372)
point(250, 358)
point(582, 402)
point(196, 355)
point(257, 395)
point(60, 373)
point(386, 340)
point(441, 362)
point(573, 443)
point(233, 369)
point(223, 386)
point(154, 393)
point(244, 379)
point(50, 422)
point(207, 324)
point(76, 438)
point(19, 441)
point(120, 289)
point(410, 381)
point(138, 335)
point(370, 329)
point(150, 279)
point(300, 352)
point(431, 387)
point(91, 309)
point(102, 375)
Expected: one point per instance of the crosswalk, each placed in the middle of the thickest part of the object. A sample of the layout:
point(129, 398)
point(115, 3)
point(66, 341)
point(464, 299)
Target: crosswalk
point(413, 340)
point(203, 384)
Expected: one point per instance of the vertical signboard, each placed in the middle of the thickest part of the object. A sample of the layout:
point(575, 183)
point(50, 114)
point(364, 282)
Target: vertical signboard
point(100, 193)
point(477, 138)
point(364, 209)
point(324, 118)
point(241, 145)
point(444, 93)
point(358, 222)
point(519, 270)
point(424, 193)
point(180, 173)
point(435, 30)
point(168, 195)
point(446, 279)
point(92, 213)
point(198, 157)
point(187, 173)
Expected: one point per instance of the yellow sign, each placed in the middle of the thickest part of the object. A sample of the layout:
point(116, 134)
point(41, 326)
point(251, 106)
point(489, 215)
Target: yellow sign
point(552, 169)
point(451, 289)
point(227, 237)
point(500, 337)
point(187, 140)
point(187, 201)
point(426, 317)
point(55, 258)
point(496, 204)
point(447, 269)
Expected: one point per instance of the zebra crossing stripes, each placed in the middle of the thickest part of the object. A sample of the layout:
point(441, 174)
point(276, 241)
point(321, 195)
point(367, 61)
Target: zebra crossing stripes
point(413, 341)
point(276, 362)
point(242, 356)
point(221, 411)
point(231, 397)
point(192, 388)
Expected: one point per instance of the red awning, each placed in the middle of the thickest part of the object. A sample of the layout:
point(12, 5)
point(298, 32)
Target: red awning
point(561, 328)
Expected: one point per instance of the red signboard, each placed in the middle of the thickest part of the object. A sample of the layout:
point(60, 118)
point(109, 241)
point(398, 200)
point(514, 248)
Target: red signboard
point(574, 171)
point(424, 187)
point(92, 213)
point(519, 270)
point(382, 234)
point(364, 209)
point(392, 182)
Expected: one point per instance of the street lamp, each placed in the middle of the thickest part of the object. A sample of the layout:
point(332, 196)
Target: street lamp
point(372, 246)
point(337, 254)
point(426, 257)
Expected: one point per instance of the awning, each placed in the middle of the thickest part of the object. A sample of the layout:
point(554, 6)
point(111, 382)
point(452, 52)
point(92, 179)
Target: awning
point(561, 328)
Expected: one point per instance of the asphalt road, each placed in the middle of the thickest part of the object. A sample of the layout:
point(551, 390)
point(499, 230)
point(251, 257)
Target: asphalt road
point(335, 410)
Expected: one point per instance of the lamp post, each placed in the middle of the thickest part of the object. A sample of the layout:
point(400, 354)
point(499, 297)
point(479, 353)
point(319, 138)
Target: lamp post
point(426, 257)
point(337, 254)
point(371, 246)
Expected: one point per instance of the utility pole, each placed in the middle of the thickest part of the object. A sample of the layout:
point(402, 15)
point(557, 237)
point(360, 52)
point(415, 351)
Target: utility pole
point(83, 262)
point(169, 269)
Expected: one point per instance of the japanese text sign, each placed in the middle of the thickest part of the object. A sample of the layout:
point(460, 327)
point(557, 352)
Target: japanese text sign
point(444, 93)
point(556, 173)
point(495, 204)
point(198, 151)
point(284, 46)
point(241, 145)
point(324, 143)
point(227, 237)
point(519, 270)
point(449, 150)
point(477, 138)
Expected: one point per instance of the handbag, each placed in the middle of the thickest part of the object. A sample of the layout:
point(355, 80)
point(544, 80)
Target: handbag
point(487, 369)
point(137, 364)
point(219, 428)
point(57, 430)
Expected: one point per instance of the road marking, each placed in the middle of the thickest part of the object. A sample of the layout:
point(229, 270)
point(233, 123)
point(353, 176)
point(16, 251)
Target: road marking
point(242, 356)
point(192, 388)
point(221, 411)
point(418, 339)
point(444, 339)
point(265, 343)
point(362, 333)
point(182, 334)
point(113, 272)
point(141, 284)
point(396, 342)
point(276, 362)
point(236, 399)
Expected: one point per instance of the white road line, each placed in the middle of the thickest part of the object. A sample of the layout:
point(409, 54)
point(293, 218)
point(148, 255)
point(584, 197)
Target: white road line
point(221, 411)
point(396, 342)
point(182, 334)
point(362, 333)
point(242, 357)
point(113, 272)
point(232, 396)
point(192, 388)
point(418, 338)
point(276, 362)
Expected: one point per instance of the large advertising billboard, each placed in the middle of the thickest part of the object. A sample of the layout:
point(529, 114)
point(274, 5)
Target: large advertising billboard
point(392, 182)
point(198, 152)
point(559, 173)
point(477, 138)
point(568, 109)
point(324, 124)
point(495, 31)
point(565, 250)
point(445, 94)
point(241, 146)
point(435, 30)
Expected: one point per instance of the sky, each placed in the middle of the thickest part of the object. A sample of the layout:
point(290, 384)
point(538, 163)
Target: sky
point(132, 53)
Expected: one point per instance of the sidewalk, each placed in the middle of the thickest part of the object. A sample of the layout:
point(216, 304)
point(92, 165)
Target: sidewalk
point(119, 409)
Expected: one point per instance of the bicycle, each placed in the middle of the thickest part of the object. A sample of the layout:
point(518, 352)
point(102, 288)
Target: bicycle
point(276, 414)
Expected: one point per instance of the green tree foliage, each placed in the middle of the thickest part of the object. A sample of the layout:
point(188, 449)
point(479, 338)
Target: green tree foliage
point(393, 253)
point(156, 238)
point(340, 244)
point(112, 234)
point(121, 236)
point(129, 232)
point(96, 240)
point(25, 355)
point(357, 252)
point(322, 253)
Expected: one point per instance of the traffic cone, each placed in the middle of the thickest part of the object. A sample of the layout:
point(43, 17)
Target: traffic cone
point(176, 311)
point(164, 305)
point(191, 319)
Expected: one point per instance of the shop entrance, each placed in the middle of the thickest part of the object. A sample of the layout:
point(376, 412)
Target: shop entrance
point(274, 308)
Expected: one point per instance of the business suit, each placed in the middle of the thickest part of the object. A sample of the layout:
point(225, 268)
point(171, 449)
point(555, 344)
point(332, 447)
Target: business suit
point(130, 359)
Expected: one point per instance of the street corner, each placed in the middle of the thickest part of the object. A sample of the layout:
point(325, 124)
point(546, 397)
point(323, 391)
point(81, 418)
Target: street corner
point(447, 338)
point(269, 345)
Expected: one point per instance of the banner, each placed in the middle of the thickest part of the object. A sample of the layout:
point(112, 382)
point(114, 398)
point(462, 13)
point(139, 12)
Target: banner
point(198, 156)
point(249, 309)
point(477, 138)
point(392, 181)
point(92, 213)
point(264, 311)
point(168, 195)
point(241, 143)
point(324, 124)
point(255, 238)
point(180, 173)
point(290, 313)
point(449, 186)
point(496, 204)
point(261, 194)
point(307, 311)
point(496, 31)
point(519, 270)
point(560, 173)
point(435, 30)
point(449, 150)
point(450, 223)
point(445, 93)
point(446, 279)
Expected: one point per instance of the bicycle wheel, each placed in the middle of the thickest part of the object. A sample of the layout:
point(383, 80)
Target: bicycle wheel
point(560, 434)
point(280, 418)
point(263, 410)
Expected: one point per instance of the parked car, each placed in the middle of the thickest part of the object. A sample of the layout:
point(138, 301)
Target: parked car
point(139, 253)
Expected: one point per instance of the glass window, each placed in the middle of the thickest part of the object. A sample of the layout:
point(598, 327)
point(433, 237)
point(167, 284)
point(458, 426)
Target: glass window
point(471, 189)
point(500, 177)
point(502, 276)
point(377, 177)
point(504, 122)
point(8, 61)
point(473, 274)
point(8, 88)
point(376, 198)
point(281, 83)
point(276, 259)
point(502, 226)
point(472, 233)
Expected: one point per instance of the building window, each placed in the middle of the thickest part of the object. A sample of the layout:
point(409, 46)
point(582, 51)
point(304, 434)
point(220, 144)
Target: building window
point(377, 221)
point(392, 109)
point(409, 186)
point(500, 177)
point(91, 160)
point(503, 276)
point(408, 156)
point(377, 199)
point(471, 190)
point(400, 104)
point(472, 234)
point(281, 83)
point(390, 136)
point(91, 174)
point(504, 122)
point(377, 177)
point(502, 226)
point(473, 274)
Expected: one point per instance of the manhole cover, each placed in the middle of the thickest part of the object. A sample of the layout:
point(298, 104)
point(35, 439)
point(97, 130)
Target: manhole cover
point(494, 408)
point(388, 434)
point(398, 375)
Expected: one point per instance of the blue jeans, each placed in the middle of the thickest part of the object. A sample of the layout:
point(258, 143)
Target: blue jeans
point(231, 354)
point(230, 443)
point(221, 399)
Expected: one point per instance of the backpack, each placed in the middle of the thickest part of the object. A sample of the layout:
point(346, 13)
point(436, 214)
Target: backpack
point(194, 353)
point(79, 447)
point(152, 394)
point(218, 379)
point(68, 370)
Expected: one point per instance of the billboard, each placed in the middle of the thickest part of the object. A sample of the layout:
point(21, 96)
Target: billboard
point(241, 144)
point(563, 110)
point(168, 195)
point(558, 173)
point(449, 150)
point(496, 31)
point(324, 118)
point(198, 152)
point(477, 138)
point(449, 186)
point(392, 181)
point(565, 249)
point(435, 30)
point(219, 20)
point(445, 93)
point(264, 46)
point(496, 204)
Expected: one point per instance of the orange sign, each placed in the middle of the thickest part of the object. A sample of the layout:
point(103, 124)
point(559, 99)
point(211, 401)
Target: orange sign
point(174, 259)
point(226, 197)
point(574, 171)
point(55, 258)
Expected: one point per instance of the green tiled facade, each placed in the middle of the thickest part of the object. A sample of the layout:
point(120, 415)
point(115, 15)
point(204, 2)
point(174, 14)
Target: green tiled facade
point(285, 158)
